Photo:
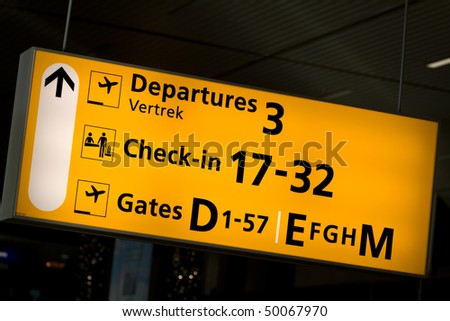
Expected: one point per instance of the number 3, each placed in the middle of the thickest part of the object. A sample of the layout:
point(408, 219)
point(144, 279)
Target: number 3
point(275, 118)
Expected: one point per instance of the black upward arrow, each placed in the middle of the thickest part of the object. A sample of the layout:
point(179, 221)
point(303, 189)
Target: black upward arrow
point(60, 75)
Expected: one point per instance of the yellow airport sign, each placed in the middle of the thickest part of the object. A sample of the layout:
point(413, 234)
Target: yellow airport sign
point(138, 152)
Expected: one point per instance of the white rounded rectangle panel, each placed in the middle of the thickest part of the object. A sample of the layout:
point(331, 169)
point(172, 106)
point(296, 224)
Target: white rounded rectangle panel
point(53, 137)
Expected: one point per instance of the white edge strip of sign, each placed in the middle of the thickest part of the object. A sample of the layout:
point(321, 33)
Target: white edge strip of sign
point(52, 147)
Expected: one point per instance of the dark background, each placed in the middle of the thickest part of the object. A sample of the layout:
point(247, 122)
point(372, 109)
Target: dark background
point(347, 52)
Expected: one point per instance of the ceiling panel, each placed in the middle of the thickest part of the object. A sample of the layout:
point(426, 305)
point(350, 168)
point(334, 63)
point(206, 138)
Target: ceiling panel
point(151, 50)
point(428, 41)
point(371, 47)
point(258, 26)
point(321, 83)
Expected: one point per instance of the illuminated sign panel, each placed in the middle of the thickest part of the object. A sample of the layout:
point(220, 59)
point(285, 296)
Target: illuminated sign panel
point(134, 151)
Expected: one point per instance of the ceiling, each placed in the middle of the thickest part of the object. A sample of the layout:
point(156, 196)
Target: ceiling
point(346, 52)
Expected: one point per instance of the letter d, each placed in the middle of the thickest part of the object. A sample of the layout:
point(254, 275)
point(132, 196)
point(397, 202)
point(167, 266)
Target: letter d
point(134, 83)
point(195, 214)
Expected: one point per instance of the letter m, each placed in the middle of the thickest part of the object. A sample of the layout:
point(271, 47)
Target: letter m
point(386, 237)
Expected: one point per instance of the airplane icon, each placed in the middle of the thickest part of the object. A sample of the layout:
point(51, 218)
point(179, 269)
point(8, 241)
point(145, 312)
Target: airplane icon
point(95, 193)
point(107, 84)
